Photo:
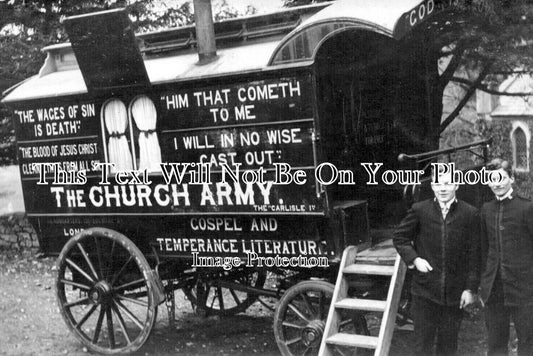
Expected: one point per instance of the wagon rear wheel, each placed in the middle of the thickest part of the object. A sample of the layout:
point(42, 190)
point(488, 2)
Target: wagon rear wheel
point(300, 319)
point(222, 293)
point(105, 291)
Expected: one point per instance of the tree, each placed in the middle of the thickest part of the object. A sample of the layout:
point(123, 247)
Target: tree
point(475, 45)
point(26, 26)
point(29, 25)
point(487, 41)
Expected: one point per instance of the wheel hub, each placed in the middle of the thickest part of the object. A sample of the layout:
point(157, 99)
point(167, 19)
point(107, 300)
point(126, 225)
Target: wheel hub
point(100, 293)
point(312, 333)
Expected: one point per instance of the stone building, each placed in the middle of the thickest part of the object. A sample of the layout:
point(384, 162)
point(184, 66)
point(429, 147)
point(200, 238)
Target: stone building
point(509, 121)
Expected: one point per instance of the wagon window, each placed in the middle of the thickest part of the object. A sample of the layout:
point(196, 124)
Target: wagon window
point(144, 115)
point(301, 46)
point(520, 151)
point(115, 117)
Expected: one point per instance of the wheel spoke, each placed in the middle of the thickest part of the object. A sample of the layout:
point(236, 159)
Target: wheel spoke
point(121, 323)
point(129, 314)
point(129, 284)
point(99, 255)
point(269, 307)
point(345, 322)
point(110, 330)
point(115, 277)
point(77, 302)
point(235, 297)
point(307, 349)
point(85, 317)
point(207, 296)
point(308, 304)
point(292, 325)
point(75, 266)
point(89, 263)
point(360, 322)
point(72, 283)
point(340, 352)
point(321, 306)
point(131, 300)
point(293, 341)
point(136, 295)
point(110, 260)
point(299, 313)
point(98, 326)
point(220, 298)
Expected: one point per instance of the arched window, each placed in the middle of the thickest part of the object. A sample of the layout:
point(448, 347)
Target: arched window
point(520, 144)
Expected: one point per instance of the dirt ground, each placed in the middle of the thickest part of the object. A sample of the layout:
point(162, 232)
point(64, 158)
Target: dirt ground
point(31, 323)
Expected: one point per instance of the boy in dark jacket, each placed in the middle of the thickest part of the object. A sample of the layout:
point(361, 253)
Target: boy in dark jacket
point(439, 239)
point(507, 280)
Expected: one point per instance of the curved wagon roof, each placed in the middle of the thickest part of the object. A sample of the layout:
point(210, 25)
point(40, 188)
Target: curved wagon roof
point(248, 44)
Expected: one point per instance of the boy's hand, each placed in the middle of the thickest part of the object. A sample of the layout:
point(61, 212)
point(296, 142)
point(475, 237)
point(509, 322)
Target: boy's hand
point(467, 298)
point(422, 265)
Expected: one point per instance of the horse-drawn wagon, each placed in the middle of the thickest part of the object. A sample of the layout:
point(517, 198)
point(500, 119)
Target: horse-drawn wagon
point(147, 170)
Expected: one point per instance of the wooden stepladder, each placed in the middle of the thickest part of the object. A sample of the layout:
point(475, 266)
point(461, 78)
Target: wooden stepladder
point(342, 301)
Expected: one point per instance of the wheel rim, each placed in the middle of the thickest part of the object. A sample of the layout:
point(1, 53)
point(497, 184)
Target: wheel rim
point(104, 291)
point(222, 300)
point(300, 319)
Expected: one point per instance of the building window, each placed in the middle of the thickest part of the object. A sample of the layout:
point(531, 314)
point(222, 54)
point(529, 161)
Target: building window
point(520, 144)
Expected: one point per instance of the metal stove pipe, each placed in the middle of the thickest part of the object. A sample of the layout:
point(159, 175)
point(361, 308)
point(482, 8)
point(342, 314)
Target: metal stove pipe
point(205, 31)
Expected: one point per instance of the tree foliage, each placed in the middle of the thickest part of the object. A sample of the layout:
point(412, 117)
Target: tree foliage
point(484, 42)
point(26, 26)
point(477, 44)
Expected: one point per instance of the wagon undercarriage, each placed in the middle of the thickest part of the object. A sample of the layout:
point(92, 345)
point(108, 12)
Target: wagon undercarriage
point(109, 294)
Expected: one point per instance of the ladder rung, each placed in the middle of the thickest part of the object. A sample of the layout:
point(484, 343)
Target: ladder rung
point(359, 268)
point(362, 304)
point(367, 342)
point(384, 261)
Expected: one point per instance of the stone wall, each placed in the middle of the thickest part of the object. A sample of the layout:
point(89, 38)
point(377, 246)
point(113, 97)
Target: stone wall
point(17, 233)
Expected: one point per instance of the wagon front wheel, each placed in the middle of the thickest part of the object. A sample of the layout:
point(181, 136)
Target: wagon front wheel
point(300, 320)
point(105, 291)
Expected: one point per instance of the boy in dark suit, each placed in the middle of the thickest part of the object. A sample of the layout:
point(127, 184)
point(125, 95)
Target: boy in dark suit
point(507, 280)
point(439, 239)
